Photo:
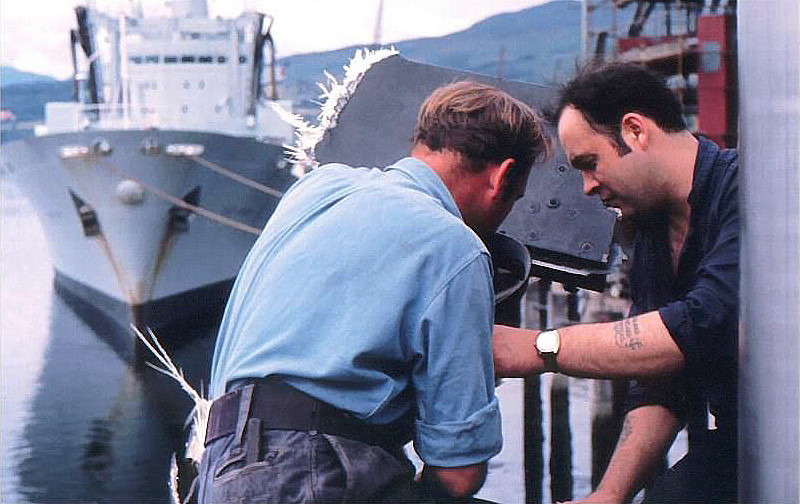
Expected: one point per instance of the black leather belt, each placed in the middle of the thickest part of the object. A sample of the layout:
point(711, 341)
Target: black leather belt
point(282, 407)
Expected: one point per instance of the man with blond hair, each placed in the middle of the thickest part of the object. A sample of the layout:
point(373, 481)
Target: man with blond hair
point(362, 319)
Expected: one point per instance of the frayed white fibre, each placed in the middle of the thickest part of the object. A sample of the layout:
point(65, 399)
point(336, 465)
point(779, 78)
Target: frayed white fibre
point(174, 497)
point(336, 95)
point(198, 417)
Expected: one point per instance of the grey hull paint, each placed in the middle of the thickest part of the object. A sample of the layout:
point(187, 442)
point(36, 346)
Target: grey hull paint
point(141, 260)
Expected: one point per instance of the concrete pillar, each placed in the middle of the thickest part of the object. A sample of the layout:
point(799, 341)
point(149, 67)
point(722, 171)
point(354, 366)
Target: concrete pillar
point(769, 139)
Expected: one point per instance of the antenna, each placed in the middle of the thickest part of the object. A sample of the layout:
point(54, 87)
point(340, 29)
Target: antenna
point(378, 34)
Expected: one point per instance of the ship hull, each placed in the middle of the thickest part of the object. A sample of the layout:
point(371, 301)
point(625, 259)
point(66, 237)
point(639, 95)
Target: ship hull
point(125, 236)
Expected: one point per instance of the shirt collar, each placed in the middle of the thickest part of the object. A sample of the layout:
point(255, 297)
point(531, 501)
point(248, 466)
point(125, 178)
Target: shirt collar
point(707, 152)
point(428, 181)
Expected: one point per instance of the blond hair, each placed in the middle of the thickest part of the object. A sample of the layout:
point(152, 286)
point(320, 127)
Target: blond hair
point(483, 124)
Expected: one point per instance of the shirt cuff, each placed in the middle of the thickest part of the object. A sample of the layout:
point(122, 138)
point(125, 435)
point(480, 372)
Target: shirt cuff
point(453, 444)
point(675, 317)
point(667, 392)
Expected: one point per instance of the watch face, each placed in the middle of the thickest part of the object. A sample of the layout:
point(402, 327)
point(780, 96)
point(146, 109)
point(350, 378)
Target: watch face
point(548, 342)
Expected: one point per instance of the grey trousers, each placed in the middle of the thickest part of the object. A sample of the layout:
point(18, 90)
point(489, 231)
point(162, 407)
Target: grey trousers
point(260, 465)
point(291, 466)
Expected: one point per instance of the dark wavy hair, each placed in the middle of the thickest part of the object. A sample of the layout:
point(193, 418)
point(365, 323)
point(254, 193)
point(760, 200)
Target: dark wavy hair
point(605, 92)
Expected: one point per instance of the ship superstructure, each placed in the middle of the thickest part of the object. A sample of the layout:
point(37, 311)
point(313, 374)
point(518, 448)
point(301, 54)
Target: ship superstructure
point(153, 184)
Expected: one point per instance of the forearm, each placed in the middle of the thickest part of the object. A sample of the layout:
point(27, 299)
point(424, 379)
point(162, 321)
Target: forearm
point(638, 346)
point(647, 434)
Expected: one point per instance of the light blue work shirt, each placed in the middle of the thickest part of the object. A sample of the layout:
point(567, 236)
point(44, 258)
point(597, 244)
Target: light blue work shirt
point(367, 291)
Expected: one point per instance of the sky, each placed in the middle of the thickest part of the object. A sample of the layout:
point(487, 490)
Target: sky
point(35, 33)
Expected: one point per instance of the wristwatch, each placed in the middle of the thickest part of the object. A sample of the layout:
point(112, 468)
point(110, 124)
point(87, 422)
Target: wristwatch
point(547, 345)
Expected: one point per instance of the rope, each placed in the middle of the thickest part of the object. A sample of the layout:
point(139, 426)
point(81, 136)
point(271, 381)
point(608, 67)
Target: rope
point(235, 176)
point(188, 206)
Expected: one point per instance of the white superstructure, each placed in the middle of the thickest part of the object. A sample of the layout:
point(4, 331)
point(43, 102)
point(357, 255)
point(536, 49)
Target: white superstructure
point(153, 184)
point(184, 71)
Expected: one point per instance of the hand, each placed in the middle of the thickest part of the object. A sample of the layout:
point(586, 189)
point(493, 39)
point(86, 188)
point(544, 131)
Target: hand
point(595, 498)
point(514, 352)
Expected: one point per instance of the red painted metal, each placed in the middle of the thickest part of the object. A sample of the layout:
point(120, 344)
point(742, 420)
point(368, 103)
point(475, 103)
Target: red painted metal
point(716, 79)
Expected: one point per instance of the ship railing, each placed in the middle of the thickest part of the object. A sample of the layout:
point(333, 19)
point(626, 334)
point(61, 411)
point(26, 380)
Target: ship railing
point(72, 116)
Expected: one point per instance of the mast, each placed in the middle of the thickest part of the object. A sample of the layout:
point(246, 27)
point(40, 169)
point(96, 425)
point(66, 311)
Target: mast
point(85, 38)
point(377, 35)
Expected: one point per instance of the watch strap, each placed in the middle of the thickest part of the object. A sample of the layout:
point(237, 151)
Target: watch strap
point(548, 355)
point(550, 363)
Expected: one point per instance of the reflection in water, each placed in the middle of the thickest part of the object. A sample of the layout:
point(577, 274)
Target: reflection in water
point(79, 423)
point(102, 429)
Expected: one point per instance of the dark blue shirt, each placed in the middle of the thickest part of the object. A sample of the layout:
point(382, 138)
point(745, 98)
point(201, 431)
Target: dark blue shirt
point(699, 304)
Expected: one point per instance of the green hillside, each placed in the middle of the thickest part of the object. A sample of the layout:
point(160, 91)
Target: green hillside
point(10, 76)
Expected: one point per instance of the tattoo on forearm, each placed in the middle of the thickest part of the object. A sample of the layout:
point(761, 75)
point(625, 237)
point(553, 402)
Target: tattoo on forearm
point(627, 334)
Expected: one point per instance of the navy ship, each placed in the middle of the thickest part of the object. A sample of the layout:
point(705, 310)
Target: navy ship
point(153, 183)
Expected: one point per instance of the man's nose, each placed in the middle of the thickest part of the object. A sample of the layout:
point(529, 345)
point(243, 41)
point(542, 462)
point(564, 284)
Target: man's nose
point(590, 184)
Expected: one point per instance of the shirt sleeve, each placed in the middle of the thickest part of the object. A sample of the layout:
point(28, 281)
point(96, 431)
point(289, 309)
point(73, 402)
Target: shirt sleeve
point(458, 416)
point(703, 322)
point(700, 323)
point(667, 392)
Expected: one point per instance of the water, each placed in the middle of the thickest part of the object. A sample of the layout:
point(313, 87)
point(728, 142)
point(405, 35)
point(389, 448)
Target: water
point(79, 424)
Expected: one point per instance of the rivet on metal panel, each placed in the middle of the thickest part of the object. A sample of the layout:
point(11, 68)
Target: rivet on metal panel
point(553, 203)
point(586, 246)
point(562, 168)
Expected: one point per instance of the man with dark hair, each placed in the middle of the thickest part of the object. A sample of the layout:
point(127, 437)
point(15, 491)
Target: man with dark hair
point(621, 127)
point(362, 319)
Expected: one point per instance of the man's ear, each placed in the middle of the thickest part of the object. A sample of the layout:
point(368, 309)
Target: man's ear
point(499, 177)
point(635, 131)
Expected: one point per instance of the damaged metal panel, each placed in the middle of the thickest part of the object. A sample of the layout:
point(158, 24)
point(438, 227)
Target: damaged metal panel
point(568, 233)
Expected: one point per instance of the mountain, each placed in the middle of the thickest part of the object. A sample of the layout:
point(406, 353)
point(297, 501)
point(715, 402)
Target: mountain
point(539, 44)
point(10, 76)
point(26, 99)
